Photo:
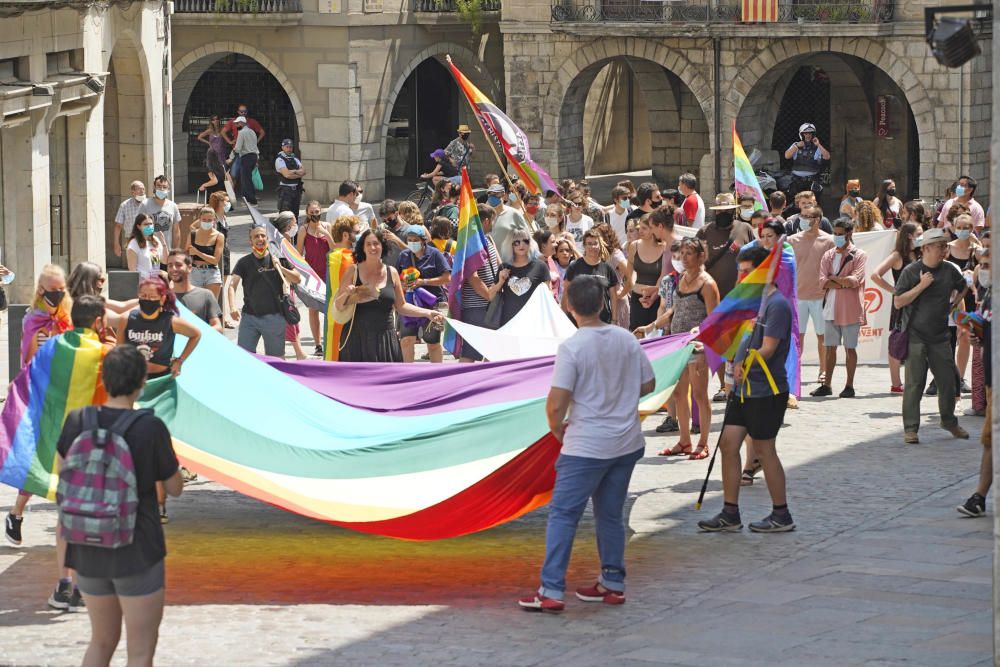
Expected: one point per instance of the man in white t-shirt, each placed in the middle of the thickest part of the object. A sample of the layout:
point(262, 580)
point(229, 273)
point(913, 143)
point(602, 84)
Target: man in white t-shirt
point(694, 205)
point(347, 196)
point(600, 374)
point(618, 213)
point(577, 223)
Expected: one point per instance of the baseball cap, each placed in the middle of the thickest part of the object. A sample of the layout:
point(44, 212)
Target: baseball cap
point(933, 235)
point(240, 119)
point(438, 153)
point(286, 142)
point(496, 188)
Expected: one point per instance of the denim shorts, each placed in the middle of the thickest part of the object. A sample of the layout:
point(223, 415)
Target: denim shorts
point(146, 582)
point(203, 276)
point(846, 335)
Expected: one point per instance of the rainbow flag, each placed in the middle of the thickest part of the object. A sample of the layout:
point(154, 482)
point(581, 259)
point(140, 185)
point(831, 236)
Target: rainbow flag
point(745, 178)
point(470, 254)
point(732, 320)
point(311, 290)
point(510, 140)
point(337, 263)
point(411, 451)
point(65, 374)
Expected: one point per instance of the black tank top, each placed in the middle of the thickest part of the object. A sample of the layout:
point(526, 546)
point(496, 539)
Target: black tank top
point(207, 249)
point(646, 273)
point(153, 338)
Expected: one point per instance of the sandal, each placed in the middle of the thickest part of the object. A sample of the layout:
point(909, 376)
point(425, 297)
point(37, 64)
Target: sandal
point(677, 450)
point(746, 479)
point(700, 453)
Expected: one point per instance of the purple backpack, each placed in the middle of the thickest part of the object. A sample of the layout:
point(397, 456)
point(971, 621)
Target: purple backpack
point(97, 494)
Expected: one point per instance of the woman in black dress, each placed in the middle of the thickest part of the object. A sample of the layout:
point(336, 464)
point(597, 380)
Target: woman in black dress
point(376, 290)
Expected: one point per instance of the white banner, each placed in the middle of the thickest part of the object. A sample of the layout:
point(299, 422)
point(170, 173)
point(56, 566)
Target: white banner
point(873, 343)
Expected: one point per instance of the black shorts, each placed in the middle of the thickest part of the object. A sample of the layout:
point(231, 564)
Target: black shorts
point(761, 417)
point(424, 331)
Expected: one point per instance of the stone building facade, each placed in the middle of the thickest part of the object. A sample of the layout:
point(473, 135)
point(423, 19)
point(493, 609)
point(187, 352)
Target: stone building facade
point(78, 123)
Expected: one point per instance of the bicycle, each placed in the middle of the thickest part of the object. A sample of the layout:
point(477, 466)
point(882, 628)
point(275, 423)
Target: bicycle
point(423, 194)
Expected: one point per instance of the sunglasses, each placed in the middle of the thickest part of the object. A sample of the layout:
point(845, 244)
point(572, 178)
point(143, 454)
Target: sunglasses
point(519, 242)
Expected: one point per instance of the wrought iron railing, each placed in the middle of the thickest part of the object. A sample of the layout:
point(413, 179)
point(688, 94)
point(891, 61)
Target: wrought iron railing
point(238, 6)
point(450, 5)
point(721, 11)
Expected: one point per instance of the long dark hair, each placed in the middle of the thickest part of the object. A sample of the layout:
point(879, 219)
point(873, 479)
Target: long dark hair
point(83, 279)
point(137, 234)
point(883, 198)
point(904, 246)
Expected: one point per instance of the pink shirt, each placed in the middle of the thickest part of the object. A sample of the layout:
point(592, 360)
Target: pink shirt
point(975, 210)
point(809, 253)
point(849, 307)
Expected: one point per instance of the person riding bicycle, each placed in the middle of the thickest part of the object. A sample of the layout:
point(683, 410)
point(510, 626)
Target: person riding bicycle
point(807, 156)
point(444, 168)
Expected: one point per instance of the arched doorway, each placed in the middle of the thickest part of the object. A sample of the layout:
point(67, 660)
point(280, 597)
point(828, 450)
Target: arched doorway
point(218, 84)
point(423, 118)
point(629, 113)
point(861, 115)
point(126, 133)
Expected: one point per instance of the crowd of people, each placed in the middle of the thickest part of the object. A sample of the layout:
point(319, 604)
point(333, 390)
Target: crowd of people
point(650, 262)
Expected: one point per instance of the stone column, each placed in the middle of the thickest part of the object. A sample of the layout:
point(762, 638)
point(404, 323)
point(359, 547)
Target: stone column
point(995, 416)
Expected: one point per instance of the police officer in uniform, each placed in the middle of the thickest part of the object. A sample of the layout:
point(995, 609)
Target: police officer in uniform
point(807, 156)
point(290, 173)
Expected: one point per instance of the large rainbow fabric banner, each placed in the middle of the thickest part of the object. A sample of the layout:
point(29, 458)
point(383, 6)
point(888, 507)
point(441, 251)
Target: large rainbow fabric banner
point(65, 374)
point(470, 255)
point(337, 263)
point(745, 180)
point(311, 289)
point(416, 451)
point(508, 137)
point(732, 320)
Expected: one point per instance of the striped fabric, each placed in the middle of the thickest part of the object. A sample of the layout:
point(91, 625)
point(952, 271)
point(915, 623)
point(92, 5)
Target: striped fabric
point(760, 11)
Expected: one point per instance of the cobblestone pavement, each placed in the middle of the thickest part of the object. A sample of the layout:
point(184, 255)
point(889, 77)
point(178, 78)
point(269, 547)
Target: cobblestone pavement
point(882, 571)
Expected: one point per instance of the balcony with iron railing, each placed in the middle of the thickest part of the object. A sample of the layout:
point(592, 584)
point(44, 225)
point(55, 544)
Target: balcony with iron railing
point(240, 7)
point(451, 6)
point(720, 11)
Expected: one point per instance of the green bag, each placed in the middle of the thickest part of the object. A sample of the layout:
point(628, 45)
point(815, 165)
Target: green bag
point(258, 183)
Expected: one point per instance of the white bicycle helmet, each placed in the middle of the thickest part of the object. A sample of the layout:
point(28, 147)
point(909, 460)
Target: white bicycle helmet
point(806, 127)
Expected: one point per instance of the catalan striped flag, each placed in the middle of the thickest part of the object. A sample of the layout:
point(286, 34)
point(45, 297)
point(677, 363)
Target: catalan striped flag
point(759, 11)
point(744, 177)
point(510, 140)
point(470, 254)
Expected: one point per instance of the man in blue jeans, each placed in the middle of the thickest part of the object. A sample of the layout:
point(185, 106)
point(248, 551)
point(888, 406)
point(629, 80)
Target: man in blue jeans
point(600, 372)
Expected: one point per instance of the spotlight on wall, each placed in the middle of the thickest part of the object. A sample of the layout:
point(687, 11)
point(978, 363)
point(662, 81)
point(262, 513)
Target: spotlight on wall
point(94, 84)
point(952, 40)
point(42, 90)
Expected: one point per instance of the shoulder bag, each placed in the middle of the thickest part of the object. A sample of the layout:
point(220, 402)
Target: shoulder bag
point(346, 314)
point(285, 305)
point(494, 312)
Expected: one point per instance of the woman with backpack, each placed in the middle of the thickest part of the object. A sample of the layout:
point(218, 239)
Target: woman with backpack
point(123, 578)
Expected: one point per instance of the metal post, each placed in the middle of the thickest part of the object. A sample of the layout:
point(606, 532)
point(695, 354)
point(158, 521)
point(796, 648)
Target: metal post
point(123, 285)
point(15, 327)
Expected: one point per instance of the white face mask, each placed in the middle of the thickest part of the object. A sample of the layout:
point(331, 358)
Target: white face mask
point(678, 265)
point(293, 230)
point(228, 207)
point(359, 197)
point(140, 198)
point(414, 246)
point(745, 213)
point(984, 277)
point(207, 225)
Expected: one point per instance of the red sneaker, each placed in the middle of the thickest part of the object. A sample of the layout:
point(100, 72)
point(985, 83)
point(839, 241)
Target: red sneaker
point(596, 594)
point(896, 389)
point(538, 602)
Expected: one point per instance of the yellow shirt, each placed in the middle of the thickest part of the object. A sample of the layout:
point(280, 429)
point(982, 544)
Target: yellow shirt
point(441, 244)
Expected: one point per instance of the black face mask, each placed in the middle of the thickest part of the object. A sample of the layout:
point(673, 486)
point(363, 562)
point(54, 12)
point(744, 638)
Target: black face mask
point(891, 192)
point(654, 203)
point(724, 218)
point(53, 297)
point(465, 137)
point(854, 193)
point(149, 306)
point(314, 217)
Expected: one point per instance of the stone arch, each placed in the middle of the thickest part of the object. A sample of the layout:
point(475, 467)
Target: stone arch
point(189, 69)
point(764, 63)
point(466, 60)
point(659, 69)
point(128, 127)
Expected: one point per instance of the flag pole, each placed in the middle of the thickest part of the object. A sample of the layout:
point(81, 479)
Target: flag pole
point(489, 141)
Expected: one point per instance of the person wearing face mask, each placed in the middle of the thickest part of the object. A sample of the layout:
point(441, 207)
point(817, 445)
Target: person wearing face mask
point(961, 253)
point(164, 212)
point(645, 262)
point(507, 219)
point(931, 288)
point(747, 206)
point(534, 210)
point(459, 150)
point(435, 274)
point(647, 199)
point(577, 222)
point(220, 204)
point(618, 212)
point(290, 172)
point(261, 316)
point(842, 276)
point(125, 217)
point(694, 205)
point(852, 197)
point(287, 226)
point(145, 251)
point(964, 191)
point(151, 329)
point(393, 229)
point(888, 204)
point(205, 247)
point(555, 219)
point(313, 241)
point(547, 246)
